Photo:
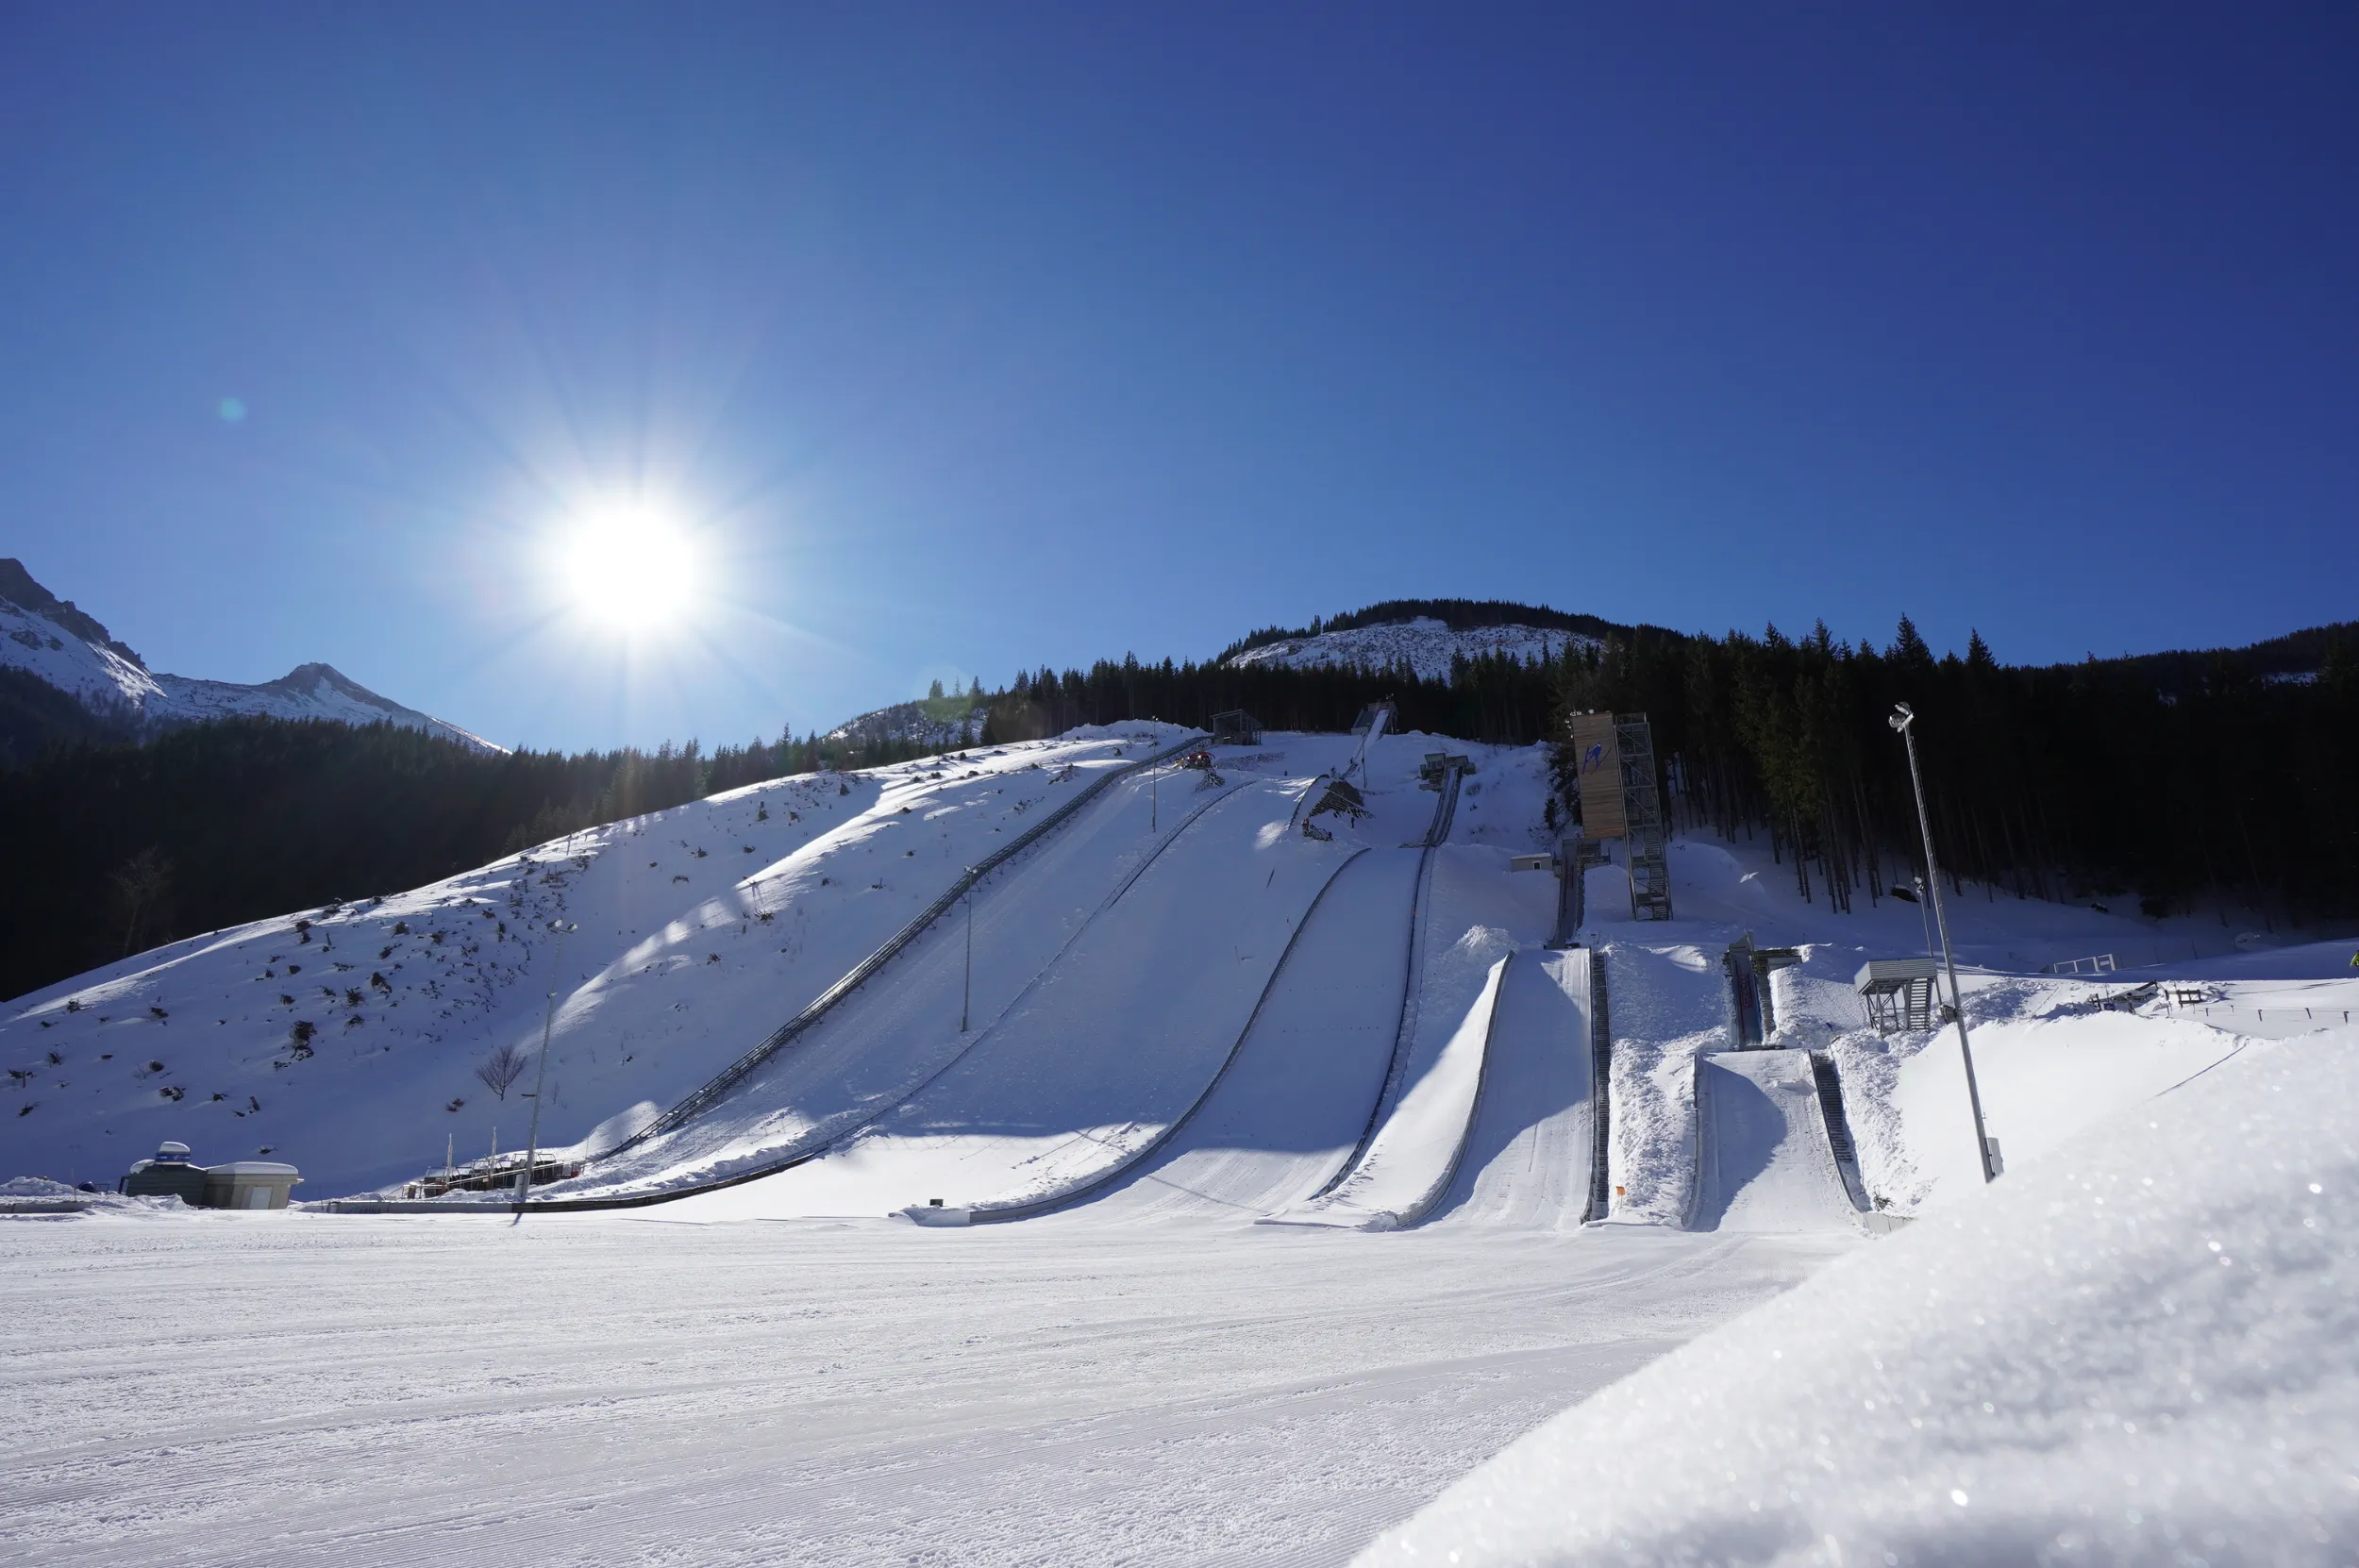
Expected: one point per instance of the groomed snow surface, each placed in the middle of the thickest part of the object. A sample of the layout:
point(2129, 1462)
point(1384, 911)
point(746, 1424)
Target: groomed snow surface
point(220, 1389)
point(1185, 1020)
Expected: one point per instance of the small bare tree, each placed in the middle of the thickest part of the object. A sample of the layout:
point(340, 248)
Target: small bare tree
point(501, 1069)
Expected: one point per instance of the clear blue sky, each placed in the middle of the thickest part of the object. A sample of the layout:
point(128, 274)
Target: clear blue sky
point(963, 337)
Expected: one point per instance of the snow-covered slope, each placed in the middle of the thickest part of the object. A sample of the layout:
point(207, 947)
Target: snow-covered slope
point(1085, 1070)
point(348, 1040)
point(51, 640)
point(1425, 644)
point(700, 929)
point(2143, 1329)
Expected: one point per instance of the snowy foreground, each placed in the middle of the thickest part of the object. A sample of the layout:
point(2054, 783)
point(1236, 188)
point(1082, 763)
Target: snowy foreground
point(2143, 1348)
point(281, 1388)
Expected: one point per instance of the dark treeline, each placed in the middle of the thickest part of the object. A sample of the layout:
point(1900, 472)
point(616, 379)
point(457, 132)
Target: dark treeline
point(1493, 698)
point(2230, 785)
point(112, 848)
point(34, 714)
point(2221, 778)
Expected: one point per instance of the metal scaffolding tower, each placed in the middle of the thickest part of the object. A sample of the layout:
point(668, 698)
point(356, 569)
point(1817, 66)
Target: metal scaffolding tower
point(1898, 993)
point(1645, 834)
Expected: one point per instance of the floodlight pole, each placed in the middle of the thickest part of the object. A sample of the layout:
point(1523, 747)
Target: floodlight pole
point(541, 1079)
point(1902, 717)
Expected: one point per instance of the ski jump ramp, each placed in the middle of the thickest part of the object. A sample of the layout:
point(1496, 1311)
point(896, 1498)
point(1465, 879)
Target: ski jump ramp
point(1291, 1107)
point(1528, 1156)
point(1219, 1019)
point(1494, 1128)
point(1763, 1160)
point(1108, 1048)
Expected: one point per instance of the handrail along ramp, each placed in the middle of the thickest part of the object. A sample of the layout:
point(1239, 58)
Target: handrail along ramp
point(1601, 1088)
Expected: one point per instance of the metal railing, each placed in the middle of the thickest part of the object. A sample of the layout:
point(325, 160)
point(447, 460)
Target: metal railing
point(1601, 1092)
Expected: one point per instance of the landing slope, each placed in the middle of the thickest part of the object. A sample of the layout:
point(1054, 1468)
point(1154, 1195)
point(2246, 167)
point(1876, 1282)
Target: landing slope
point(1762, 1159)
point(1292, 1106)
point(1526, 1163)
point(1113, 1043)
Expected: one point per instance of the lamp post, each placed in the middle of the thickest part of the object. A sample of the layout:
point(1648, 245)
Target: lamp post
point(541, 1079)
point(1902, 717)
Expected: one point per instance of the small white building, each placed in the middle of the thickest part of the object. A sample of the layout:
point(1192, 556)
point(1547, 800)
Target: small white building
point(239, 1184)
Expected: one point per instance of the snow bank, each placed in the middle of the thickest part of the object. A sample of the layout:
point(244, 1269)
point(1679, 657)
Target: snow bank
point(2043, 1082)
point(2143, 1347)
point(1665, 1003)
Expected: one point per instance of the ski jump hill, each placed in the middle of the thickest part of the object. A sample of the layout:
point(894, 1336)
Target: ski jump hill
point(1080, 978)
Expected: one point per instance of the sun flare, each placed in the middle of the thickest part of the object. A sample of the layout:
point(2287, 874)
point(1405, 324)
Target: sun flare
point(632, 568)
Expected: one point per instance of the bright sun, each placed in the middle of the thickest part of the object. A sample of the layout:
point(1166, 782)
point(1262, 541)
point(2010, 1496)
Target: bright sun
point(632, 568)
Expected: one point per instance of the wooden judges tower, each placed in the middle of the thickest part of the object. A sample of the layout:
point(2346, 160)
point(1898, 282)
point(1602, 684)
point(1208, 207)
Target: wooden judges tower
point(1620, 799)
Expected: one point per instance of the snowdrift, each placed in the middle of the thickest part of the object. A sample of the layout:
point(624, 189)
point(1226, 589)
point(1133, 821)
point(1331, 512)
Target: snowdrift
point(2143, 1347)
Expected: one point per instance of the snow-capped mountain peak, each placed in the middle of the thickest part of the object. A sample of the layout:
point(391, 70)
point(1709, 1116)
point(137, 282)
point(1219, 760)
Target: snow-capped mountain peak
point(51, 640)
point(1425, 643)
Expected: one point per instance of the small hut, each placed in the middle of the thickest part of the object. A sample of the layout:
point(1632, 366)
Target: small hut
point(1236, 728)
